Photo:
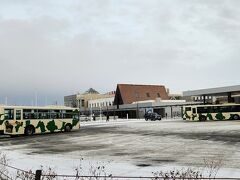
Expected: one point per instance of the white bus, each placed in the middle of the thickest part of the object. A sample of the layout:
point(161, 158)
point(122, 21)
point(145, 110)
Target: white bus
point(28, 120)
point(211, 112)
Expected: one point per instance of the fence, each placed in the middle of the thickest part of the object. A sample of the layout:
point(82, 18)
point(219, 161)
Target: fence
point(39, 176)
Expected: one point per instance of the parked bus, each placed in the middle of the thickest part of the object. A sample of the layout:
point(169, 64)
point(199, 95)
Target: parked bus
point(28, 120)
point(211, 112)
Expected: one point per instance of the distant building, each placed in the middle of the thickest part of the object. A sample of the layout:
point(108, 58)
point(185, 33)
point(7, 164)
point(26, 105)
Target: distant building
point(227, 94)
point(130, 93)
point(105, 101)
point(129, 101)
point(70, 101)
point(90, 98)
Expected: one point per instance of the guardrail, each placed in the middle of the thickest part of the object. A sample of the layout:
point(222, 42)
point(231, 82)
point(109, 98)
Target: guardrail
point(38, 175)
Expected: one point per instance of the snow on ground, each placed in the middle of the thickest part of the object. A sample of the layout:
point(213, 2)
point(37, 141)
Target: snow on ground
point(130, 147)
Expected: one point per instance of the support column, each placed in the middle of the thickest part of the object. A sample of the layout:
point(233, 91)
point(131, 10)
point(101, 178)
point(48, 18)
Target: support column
point(204, 99)
point(230, 99)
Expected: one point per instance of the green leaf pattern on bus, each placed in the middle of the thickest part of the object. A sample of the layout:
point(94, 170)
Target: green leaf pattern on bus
point(19, 124)
point(63, 126)
point(28, 122)
point(194, 116)
point(51, 126)
point(219, 116)
point(186, 115)
point(75, 122)
point(41, 125)
point(209, 116)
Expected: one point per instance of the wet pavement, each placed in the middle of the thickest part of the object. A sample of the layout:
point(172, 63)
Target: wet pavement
point(140, 143)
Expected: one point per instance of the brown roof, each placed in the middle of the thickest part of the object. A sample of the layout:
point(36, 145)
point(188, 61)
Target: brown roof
point(129, 93)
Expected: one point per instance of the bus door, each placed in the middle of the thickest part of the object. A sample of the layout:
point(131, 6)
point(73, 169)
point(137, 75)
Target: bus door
point(194, 113)
point(18, 114)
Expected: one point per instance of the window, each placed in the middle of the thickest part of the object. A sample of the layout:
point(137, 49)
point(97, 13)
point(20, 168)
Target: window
point(188, 108)
point(30, 114)
point(8, 114)
point(158, 95)
point(202, 109)
point(43, 114)
point(18, 115)
point(235, 108)
point(68, 114)
point(148, 95)
point(55, 114)
point(215, 109)
point(82, 102)
point(225, 108)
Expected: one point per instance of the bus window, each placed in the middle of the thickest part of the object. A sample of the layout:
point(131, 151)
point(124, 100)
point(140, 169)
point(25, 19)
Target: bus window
point(30, 114)
point(201, 110)
point(225, 108)
point(43, 114)
point(56, 114)
point(188, 108)
point(8, 114)
point(215, 109)
point(68, 114)
point(18, 114)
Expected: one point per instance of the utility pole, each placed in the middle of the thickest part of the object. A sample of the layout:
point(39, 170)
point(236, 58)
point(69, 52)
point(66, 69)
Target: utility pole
point(6, 100)
point(36, 98)
point(100, 111)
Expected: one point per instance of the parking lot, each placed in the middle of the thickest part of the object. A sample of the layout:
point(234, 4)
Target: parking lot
point(172, 142)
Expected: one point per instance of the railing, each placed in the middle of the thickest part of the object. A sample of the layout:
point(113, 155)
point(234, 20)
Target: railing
point(38, 175)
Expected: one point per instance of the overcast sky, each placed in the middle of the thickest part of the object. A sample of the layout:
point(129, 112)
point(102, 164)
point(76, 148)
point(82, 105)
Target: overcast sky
point(59, 47)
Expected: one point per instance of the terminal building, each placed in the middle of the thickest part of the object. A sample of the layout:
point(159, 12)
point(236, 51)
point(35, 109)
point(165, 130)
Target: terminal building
point(219, 95)
point(134, 100)
point(128, 101)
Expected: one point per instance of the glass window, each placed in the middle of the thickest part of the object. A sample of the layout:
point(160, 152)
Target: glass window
point(215, 109)
point(8, 114)
point(148, 95)
point(43, 114)
point(18, 114)
point(225, 108)
point(55, 114)
point(158, 95)
point(188, 108)
point(82, 102)
point(68, 114)
point(202, 110)
point(30, 114)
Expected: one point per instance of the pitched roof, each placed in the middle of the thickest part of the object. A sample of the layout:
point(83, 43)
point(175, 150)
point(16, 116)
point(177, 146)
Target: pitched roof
point(91, 91)
point(129, 93)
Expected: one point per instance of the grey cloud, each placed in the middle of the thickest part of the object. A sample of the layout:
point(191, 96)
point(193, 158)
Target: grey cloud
point(61, 47)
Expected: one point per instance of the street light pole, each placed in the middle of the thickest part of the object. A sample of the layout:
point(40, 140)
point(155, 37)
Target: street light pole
point(100, 112)
point(137, 112)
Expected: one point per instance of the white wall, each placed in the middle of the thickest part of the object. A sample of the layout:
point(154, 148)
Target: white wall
point(103, 102)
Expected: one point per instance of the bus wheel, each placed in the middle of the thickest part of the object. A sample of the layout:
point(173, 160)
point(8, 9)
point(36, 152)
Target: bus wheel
point(29, 130)
point(235, 117)
point(202, 118)
point(68, 128)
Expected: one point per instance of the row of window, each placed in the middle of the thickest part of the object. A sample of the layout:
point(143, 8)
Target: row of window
point(39, 114)
point(148, 95)
point(216, 109)
point(102, 104)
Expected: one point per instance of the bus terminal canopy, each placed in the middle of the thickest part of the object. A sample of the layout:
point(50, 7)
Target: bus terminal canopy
point(220, 91)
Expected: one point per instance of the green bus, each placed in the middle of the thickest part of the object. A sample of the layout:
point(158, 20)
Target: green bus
point(211, 112)
point(29, 120)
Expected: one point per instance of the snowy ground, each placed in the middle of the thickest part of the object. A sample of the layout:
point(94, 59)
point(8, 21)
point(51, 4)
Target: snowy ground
point(131, 147)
